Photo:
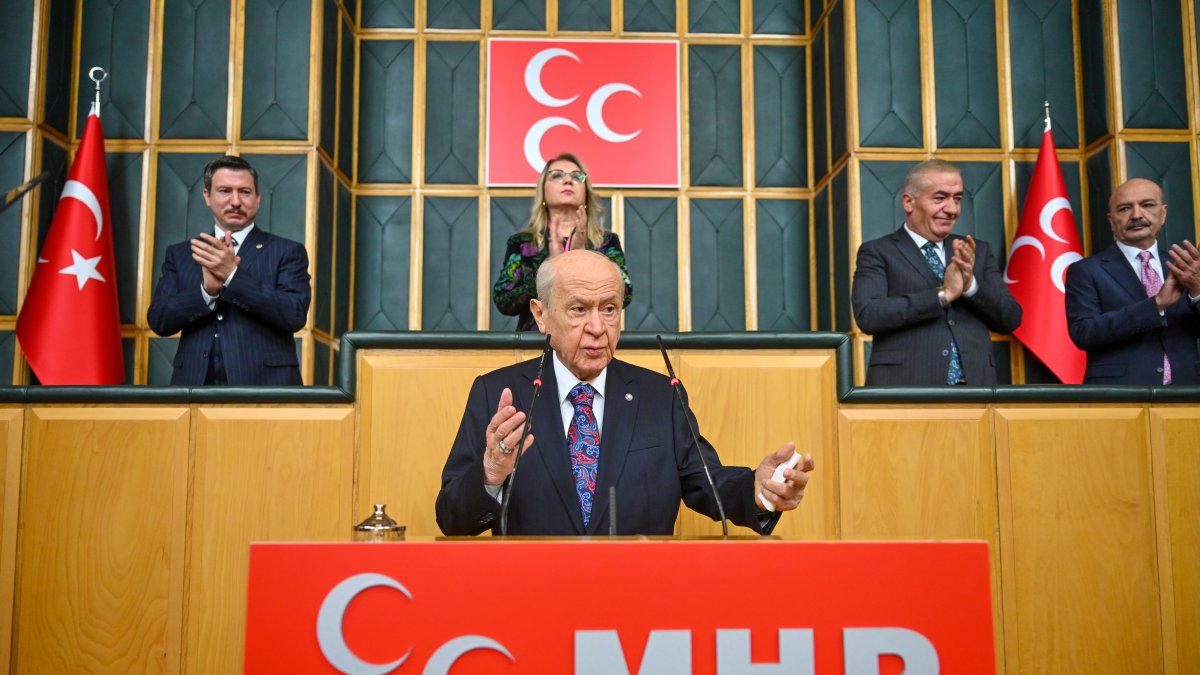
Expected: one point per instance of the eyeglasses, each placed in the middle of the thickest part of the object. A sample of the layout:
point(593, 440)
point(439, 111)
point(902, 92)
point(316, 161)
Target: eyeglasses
point(560, 176)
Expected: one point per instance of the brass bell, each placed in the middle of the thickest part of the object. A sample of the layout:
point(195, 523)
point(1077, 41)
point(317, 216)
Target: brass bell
point(379, 527)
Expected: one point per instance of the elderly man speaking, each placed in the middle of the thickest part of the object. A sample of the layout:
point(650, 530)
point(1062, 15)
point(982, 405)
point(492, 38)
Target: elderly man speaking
point(599, 422)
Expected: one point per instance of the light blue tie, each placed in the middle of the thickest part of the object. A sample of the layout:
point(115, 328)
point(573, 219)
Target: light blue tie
point(954, 373)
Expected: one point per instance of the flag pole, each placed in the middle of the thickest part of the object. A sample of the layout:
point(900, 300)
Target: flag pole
point(1045, 107)
point(97, 79)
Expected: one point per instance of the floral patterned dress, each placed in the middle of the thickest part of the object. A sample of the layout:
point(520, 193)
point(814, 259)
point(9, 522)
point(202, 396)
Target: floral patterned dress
point(517, 283)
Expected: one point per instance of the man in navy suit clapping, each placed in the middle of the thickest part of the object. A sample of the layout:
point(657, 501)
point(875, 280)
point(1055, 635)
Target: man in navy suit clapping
point(238, 295)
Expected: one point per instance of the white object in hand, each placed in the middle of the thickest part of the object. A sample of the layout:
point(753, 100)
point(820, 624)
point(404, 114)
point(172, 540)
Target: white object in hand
point(778, 477)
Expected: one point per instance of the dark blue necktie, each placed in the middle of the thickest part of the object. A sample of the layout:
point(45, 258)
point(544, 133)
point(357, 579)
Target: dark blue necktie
point(954, 373)
point(583, 441)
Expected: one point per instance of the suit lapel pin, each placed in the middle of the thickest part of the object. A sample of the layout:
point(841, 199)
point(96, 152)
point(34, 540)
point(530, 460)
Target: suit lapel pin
point(628, 397)
point(258, 246)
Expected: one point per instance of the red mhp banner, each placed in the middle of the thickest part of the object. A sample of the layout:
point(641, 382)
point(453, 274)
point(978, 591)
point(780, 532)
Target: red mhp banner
point(598, 607)
point(613, 103)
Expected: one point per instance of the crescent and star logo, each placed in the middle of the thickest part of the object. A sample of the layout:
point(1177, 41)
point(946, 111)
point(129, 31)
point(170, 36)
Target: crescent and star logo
point(84, 269)
point(614, 103)
point(332, 639)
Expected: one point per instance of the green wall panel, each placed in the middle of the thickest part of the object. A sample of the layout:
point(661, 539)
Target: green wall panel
point(181, 213)
point(782, 252)
point(715, 114)
point(161, 362)
point(452, 112)
point(322, 257)
point(450, 236)
point(879, 196)
point(381, 263)
point(16, 39)
point(889, 90)
point(60, 35)
point(964, 61)
point(1095, 88)
point(342, 291)
point(8, 340)
point(519, 15)
point(385, 112)
point(128, 351)
point(54, 160)
point(508, 214)
point(12, 172)
point(714, 16)
point(839, 200)
point(982, 212)
point(838, 129)
point(650, 15)
point(820, 116)
point(1169, 165)
point(718, 265)
point(780, 128)
point(388, 13)
point(322, 358)
point(453, 14)
point(345, 155)
point(585, 15)
point(116, 39)
point(275, 103)
point(327, 129)
point(651, 256)
point(821, 244)
point(1043, 69)
point(282, 181)
point(195, 70)
point(125, 208)
point(815, 8)
point(779, 17)
point(1154, 89)
point(1100, 187)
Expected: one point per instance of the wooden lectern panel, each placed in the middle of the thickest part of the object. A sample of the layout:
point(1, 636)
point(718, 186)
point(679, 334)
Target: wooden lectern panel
point(1175, 442)
point(99, 582)
point(748, 404)
point(10, 492)
point(1077, 541)
point(259, 474)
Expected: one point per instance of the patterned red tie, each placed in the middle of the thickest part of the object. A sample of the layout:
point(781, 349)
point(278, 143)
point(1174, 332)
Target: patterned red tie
point(1153, 284)
point(583, 441)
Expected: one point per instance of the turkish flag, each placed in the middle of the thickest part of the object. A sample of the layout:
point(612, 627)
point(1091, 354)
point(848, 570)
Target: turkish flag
point(1047, 242)
point(69, 327)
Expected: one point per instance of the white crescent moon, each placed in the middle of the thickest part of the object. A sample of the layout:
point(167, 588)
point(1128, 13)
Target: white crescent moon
point(76, 190)
point(329, 625)
point(533, 139)
point(1047, 216)
point(1018, 243)
point(595, 112)
point(533, 78)
point(444, 658)
point(1059, 268)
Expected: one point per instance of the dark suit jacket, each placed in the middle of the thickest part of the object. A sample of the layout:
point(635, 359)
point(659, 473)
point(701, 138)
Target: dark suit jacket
point(895, 300)
point(257, 313)
point(1110, 317)
point(645, 451)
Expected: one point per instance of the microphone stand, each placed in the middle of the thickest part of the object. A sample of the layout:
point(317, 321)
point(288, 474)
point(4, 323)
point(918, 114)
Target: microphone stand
point(512, 477)
point(687, 413)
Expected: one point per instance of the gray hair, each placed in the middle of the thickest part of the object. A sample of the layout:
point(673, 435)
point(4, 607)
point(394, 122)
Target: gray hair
point(915, 180)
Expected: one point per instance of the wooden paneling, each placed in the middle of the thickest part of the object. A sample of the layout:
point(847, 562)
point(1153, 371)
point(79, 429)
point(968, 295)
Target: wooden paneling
point(10, 491)
point(1174, 434)
point(260, 474)
point(411, 406)
point(748, 405)
point(101, 540)
point(1077, 541)
point(916, 474)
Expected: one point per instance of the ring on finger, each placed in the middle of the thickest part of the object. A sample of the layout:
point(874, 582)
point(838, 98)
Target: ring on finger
point(504, 447)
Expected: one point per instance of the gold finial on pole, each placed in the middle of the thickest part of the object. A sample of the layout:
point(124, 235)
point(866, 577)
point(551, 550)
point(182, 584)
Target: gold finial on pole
point(103, 75)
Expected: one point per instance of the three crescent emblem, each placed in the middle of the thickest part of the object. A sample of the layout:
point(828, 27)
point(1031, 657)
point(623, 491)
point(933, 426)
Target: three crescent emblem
point(594, 111)
point(1059, 267)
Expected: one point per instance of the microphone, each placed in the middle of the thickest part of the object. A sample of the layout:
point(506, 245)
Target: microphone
point(12, 196)
point(512, 477)
point(687, 412)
